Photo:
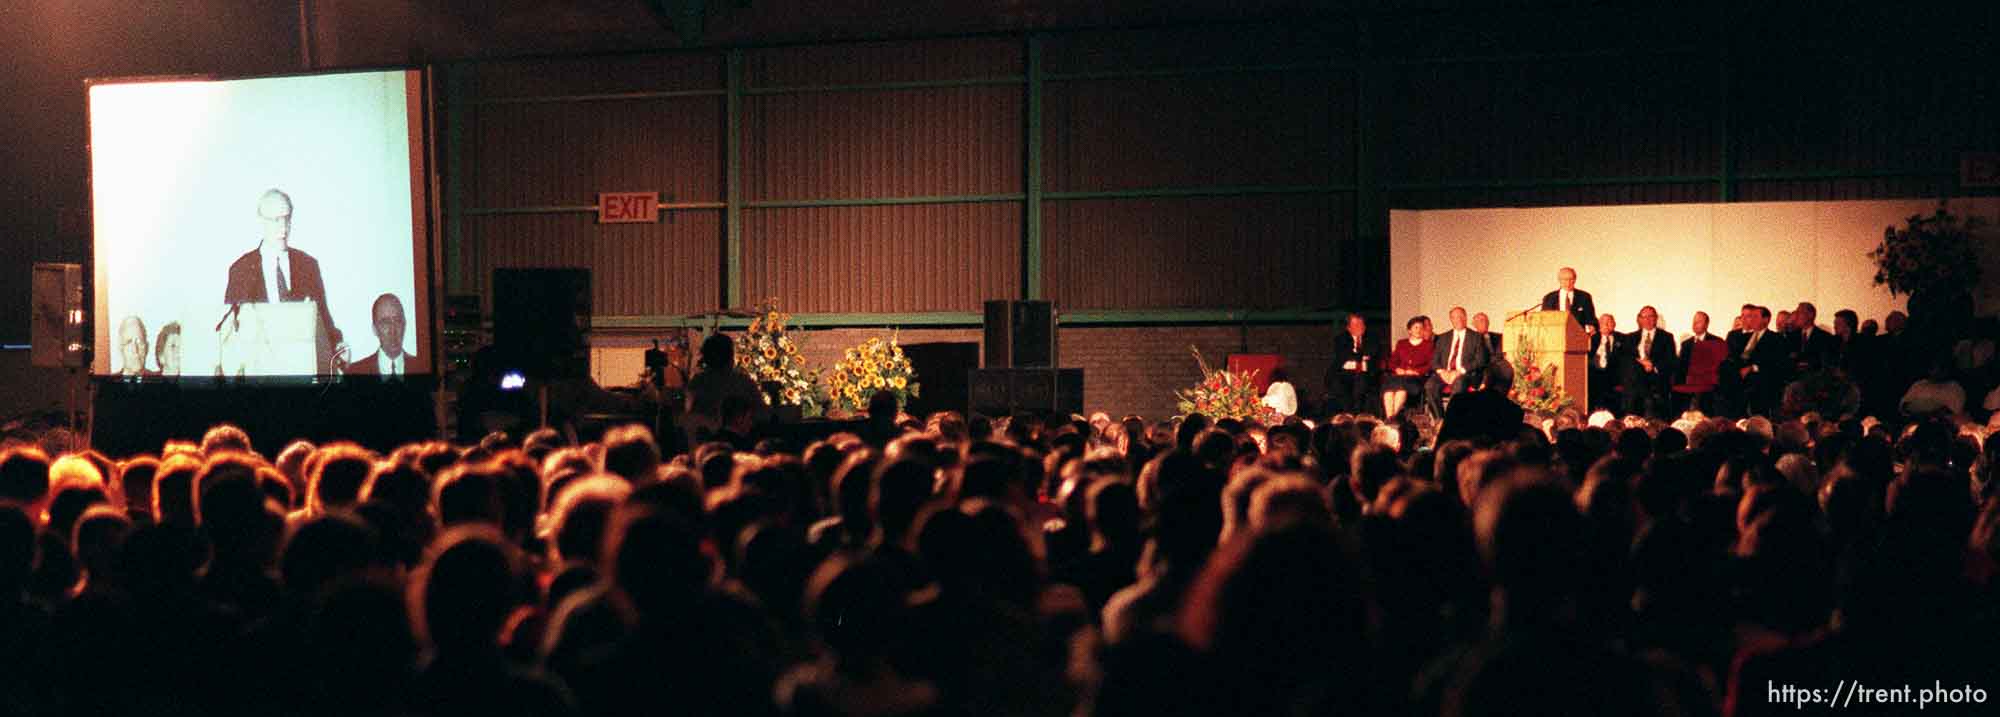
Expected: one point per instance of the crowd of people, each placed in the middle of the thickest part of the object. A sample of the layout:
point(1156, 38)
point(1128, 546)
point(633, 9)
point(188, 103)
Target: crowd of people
point(1473, 559)
point(1016, 565)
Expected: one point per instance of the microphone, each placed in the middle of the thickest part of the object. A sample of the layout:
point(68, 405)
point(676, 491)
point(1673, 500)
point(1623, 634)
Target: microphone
point(227, 315)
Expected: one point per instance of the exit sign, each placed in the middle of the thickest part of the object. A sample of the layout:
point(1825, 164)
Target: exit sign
point(628, 207)
point(1979, 169)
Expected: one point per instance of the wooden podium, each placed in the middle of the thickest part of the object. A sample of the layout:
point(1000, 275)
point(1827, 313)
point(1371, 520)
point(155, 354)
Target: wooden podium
point(273, 339)
point(1554, 338)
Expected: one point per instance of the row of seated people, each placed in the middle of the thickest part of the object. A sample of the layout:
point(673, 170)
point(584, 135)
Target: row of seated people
point(1013, 566)
point(1648, 371)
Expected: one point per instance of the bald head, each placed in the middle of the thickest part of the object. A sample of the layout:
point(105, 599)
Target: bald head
point(274, 212)
point(132, 344)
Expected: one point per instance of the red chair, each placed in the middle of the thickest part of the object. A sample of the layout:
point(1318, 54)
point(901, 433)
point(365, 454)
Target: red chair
point(1704, 364)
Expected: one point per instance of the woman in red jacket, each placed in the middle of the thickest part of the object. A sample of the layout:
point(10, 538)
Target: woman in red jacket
point(1409, 366)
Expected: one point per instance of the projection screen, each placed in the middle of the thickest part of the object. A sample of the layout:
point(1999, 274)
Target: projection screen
point(273, 226)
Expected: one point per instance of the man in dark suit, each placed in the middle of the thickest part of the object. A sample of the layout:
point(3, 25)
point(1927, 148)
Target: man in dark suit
point(1608, 353)
point(1458, 358)
point(390, 359)
point(1758, 366)
point(1849, 347)
point(274, 269)
point(1813, 348)
point(1350, 381)
point(1499, 372)
point(1652, 367)
point(1568, 298)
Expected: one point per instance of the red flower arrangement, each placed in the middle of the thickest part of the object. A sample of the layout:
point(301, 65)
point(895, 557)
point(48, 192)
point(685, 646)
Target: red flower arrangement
point(1224, 394)
point(1535, 387)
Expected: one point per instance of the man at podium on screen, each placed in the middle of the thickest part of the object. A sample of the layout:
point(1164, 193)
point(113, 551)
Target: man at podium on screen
point(390, 322)
point(274, 271)
point(1569, 299)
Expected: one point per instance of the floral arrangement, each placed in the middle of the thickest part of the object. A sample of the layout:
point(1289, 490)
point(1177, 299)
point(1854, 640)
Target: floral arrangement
point(1224, 394)
point(771, 355)
point(1932, 254)
point(875, 365)
point(1535, 388)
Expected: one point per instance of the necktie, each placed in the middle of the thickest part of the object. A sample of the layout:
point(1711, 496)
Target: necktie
point(1646, 345)
point(283, 287)
point(1457, 344)
point(1604, 351)
point(1751, 345)
point(1565, 302)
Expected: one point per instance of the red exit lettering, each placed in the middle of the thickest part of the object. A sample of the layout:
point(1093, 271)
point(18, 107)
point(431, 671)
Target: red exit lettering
point(628, 207)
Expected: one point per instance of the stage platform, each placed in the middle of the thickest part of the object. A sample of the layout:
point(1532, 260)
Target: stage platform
point(135, 417)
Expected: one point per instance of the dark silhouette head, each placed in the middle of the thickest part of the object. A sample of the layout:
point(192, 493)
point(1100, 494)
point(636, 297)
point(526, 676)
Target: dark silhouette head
point(630, 451)
point(654, 559)
point(224, 437)
point(461, 595)
point(324, 549)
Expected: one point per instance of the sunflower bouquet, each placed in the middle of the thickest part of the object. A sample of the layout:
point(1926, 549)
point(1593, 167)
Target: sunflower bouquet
point(875, 365)
point(1224, 394)
point(771, 355)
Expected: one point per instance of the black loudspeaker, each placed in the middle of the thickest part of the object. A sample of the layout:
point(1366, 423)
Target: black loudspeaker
point(1006, 391)
point(941, 369)
point(56, 337)
point(1020, 334)
point(539, 319)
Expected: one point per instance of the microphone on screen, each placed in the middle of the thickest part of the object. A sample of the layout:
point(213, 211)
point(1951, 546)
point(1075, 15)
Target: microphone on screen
point(227, 315)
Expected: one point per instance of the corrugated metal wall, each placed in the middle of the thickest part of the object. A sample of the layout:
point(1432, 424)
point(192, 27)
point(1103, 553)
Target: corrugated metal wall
point(1251, 252)
point(534, 143)
point(935, 257)
point(906, 143)
point(1551, 120)
point(1263, 128)
point(1493, 109)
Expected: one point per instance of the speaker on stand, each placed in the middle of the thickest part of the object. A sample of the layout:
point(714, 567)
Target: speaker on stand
point(56, 335)
point(1020, 371)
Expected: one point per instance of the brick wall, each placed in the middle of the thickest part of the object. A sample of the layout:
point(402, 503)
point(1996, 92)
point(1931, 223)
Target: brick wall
point(1125, 369)
point(1137, 369)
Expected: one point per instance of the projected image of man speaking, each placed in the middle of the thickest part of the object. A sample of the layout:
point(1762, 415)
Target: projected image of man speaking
point(275, 269)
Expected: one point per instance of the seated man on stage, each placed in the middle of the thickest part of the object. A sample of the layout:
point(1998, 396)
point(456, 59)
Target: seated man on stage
point(1499, 374)
point(1756, 371)
point(1350, 381)
point(1608, 350)
point(1459, 359)
point(1651, 370)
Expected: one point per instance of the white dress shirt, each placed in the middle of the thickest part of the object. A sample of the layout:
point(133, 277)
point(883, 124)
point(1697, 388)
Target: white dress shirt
point(391, 366)
point(275, 261)
point(1604, 349)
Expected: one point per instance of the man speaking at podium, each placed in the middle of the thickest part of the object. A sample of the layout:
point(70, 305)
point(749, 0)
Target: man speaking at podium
point(1574, 301)
point(274, 269)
